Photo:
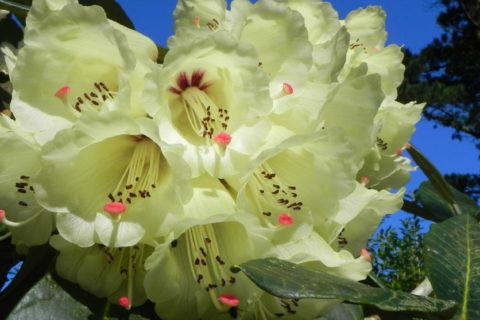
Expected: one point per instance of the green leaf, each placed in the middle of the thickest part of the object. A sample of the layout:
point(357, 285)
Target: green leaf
point(36, 265)
point(18, 7)
point(438, 208)
point(344, 311)
point(376, 280)
point(290, 281)
point(436, 178)
point(413, 208)
point(3, 229)
point(46, 300)
point(11, 31)
point(162, 52)
point(452, 257)
point(97, 305)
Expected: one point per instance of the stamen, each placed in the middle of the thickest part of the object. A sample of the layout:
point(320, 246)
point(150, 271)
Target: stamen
point(382, 144)
point(5, 236)
point(208, 267)
point(229, 300)
point(131, 257)
point(196, 21)
point(287, 89)
point(206, 119)
point(342, 241)
point(6, 112)
point(91, 101)
point(213, 24)
point(365, 254)
point(62, 93)
point(365, 180)
point(273, 199)
point(222, 138)
point(14, 224)
point(114, 208)
point(141, 176)
point(285, 219)
point(126, 262)
point(124, 302)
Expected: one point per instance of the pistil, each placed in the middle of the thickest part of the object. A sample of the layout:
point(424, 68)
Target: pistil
point(275, 200)
point(208, 267)
point(141, 176)
point(206, 119)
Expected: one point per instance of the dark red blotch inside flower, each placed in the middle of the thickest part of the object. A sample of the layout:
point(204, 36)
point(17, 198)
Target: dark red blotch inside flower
point(184, 82)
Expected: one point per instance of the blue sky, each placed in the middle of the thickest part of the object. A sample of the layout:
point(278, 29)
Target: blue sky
point(405, 18)
point(411, 23)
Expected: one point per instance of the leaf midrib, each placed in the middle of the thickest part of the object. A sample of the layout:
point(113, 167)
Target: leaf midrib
point(466, 291)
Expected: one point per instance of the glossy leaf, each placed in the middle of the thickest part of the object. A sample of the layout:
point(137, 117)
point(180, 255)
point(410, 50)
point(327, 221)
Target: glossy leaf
point(433, 203)
point(96, 305)
point(3, 230)
point(36, 265)
point(290, 281)
point(162, 52)
point(46, 300)
point(435, 177)
point(344, 311)
point(18, 7)
point(413, 208)
point(453, 263)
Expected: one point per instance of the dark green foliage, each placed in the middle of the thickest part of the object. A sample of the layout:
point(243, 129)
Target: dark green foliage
point(397, 256)
point(445, 74)
point(466, 183)
point(291, 281)
point(35, 266)
point(11, 33)
point(452, 260)
point(432, 202)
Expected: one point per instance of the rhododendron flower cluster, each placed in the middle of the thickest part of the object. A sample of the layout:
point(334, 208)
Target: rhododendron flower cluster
point(269, 130)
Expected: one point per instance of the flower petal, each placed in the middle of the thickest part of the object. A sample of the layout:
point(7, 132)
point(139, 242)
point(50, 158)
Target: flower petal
point(72, 46)
point(105, 158)
point(185, 280)
point(279, 37)
point(362, 211)
point(19, 164)
point(204, 88)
